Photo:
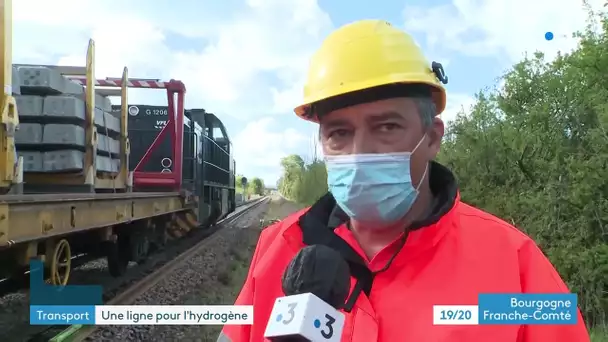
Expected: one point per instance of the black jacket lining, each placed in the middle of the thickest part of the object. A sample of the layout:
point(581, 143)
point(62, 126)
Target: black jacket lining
point(319, 222)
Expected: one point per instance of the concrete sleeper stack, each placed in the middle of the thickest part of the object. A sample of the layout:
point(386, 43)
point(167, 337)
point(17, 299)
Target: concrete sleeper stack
point(51, 135)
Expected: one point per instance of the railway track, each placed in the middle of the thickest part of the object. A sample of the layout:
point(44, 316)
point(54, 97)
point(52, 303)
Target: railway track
point(131, 293)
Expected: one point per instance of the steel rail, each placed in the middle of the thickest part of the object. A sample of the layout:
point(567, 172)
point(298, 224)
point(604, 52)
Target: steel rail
point(77, 333)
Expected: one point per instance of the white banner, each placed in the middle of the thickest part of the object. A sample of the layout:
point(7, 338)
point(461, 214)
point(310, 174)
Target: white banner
point(173, 315)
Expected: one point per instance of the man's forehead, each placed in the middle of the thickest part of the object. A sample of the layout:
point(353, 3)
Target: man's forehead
point(402, 108)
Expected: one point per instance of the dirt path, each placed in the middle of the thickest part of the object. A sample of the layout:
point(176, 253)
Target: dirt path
point(280, 208)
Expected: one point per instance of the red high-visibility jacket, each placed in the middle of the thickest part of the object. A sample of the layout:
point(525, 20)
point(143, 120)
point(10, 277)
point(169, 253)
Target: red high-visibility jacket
point(449, 262)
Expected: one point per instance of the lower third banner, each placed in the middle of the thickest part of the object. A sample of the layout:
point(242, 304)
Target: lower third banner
point(511, 309)
point(141, 314)
point(528, 308)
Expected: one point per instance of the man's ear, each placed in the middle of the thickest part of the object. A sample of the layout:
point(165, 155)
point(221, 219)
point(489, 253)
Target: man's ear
point(436, 135)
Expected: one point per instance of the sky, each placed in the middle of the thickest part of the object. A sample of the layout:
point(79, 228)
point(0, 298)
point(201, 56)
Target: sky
point(246, 60)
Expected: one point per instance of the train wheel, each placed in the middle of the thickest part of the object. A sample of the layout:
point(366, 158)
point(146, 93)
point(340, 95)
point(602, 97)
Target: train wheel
point(162, 239)
point(61, 263)
point(139, 245)
point(117, 258)
point(215, 213)
point(159, 235)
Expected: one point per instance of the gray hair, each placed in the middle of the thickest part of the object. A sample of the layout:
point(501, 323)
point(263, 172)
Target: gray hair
point(426, 109)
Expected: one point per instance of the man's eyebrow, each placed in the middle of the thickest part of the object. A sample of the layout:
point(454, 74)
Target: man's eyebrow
point(329, 124)
point(384, 116)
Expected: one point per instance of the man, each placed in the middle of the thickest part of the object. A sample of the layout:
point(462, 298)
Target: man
point(409, 240)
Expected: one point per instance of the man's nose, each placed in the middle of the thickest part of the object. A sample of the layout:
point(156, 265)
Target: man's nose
point(362, 142)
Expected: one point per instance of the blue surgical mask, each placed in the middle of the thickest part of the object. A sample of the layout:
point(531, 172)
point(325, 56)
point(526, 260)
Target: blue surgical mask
point(373, 187)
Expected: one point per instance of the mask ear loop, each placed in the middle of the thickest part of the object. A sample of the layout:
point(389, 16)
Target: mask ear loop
point(418, 144)
point(426, 168)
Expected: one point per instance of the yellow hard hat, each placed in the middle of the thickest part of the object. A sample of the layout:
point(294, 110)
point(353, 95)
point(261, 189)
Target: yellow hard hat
point(367, 54)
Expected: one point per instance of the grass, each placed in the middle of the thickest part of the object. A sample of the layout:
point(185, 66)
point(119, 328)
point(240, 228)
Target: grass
point(599, 334)
point(229, 278)
point(279, 208)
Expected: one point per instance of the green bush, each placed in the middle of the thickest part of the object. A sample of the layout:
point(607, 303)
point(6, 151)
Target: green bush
point(536, 154)
point(303, 183)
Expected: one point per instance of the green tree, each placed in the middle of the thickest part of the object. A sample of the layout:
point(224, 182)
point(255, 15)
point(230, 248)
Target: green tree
point(302, 182)
point(293, 169)
point(257, 186)
point(536, 153)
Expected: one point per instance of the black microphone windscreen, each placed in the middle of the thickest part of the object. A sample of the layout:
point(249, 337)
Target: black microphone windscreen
point(319, 270)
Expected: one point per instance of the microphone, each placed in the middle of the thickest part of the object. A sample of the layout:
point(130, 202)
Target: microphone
point(316, 283)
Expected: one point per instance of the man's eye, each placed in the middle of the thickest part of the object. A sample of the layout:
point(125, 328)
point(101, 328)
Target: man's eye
point(388, 127)
point(339, 133)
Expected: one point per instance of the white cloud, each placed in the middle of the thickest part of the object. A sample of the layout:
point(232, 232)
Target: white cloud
point(121, 39)
point(252, 65)
point(456, 103)
point(263, 143)
point(286, 98)
point(58, 13)
point(271, 40)
point(504, 28)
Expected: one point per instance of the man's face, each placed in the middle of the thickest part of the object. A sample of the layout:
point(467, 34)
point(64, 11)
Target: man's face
point(385, 126)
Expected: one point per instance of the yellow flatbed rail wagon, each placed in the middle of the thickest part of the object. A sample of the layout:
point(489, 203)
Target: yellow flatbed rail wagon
point(66, 183)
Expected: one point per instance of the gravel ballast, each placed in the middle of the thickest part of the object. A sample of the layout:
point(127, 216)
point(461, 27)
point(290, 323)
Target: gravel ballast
point(215, 273)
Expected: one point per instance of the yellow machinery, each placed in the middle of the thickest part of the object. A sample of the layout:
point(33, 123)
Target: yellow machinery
point(56, 226)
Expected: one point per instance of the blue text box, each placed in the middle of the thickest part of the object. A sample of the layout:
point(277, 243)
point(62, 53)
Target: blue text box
point(43, 294)
point(518, 308)
point(62, 314)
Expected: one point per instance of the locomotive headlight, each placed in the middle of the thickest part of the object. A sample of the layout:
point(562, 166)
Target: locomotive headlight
point(166, 163)
point(133, 110)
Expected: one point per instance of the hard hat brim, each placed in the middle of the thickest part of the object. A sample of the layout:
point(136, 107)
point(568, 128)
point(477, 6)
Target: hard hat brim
point(438, 96)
